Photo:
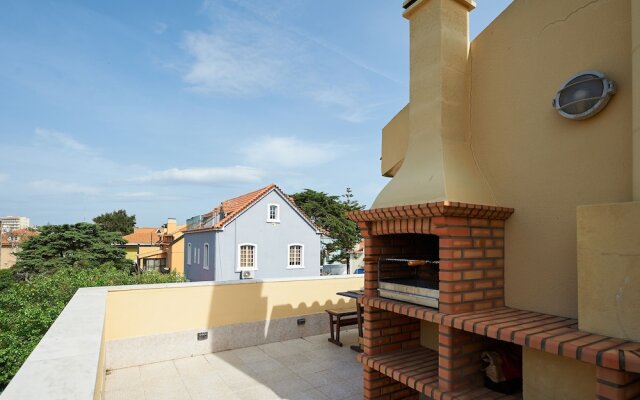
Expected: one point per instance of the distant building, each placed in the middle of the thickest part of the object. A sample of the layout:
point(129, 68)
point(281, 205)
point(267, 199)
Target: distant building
point(10, 223)
point(261, 234)
point(157, 249)
point(10, 245)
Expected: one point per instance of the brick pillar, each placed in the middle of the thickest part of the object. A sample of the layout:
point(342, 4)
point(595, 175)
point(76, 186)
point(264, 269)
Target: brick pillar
point(471, 263)
point(379, 386)
point(459, 359)
point(616, 385)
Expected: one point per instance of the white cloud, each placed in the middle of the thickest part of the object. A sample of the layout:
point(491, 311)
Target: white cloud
point(290, 152)
point(203, 175)
point(224, 65)
point(52, 187)
point(61, 139)
point(352, 109)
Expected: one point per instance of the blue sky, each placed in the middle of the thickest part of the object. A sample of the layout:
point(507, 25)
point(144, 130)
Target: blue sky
point(166, 108)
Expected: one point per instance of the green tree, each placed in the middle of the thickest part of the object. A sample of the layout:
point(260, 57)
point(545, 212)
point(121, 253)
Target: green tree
point(27, 309)
point(117, 221)
point(330, 213)
point(79, 246)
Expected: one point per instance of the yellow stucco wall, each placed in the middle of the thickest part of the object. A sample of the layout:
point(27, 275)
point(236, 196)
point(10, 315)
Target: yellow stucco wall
point(175, 257)
point(395, 136)
point(536, 161)
point(135, 312)
point(549, 377)
point(132, 253)
point(609, 269)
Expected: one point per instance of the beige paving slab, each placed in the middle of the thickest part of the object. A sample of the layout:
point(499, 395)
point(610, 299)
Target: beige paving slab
point(187, 366)
point(157, 370)
point(313, 394)
point(122, 379)
point(298, 369)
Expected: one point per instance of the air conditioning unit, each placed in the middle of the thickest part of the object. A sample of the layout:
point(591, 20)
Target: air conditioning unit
point(247, 274)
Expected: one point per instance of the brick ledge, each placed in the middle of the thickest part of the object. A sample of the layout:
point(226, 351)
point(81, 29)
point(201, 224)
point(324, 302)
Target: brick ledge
point(437, 209)
point(548, 333)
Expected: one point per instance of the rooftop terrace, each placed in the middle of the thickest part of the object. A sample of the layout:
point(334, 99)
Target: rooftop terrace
point(307, 368)
point(249, 339)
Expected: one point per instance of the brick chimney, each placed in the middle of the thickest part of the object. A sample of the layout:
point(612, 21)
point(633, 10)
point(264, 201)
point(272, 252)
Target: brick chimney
point(171, 225)
point(439, 162)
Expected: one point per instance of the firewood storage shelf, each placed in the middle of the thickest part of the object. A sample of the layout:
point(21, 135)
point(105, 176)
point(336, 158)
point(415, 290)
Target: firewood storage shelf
point(418, 369)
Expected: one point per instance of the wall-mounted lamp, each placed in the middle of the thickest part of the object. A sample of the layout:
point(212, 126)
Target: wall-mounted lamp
point(584, 95)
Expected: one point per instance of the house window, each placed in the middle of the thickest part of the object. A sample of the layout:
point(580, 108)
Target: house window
point(296, 256)
point(273, 213)
point(155, 264)
point(189, 254)
point(205, 257)
point(197, 257)
point(247, 256)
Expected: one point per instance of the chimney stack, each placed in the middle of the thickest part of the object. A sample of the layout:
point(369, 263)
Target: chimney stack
point(171, 225)
point(439, 162)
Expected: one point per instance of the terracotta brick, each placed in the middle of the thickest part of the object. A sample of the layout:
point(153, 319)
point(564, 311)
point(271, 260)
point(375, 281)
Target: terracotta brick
point(456, 308)
point(473, 253)
point(456, 221)
point(480, 232)
point(450, 254)
point(494, 273)
point(484, 305)
point(450, 297)
point(484, 263)
point(478, 222)
point(459, 286)
point(481, 243)
point(471, 296)
point(488, 284)
point(497, 223)
point(450, 276)
point(490, 294)
point(458, 231)
point(468, 275)
point(494, 253)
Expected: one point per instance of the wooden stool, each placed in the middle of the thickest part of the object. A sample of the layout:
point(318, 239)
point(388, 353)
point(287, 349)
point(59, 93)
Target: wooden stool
point(338, 319)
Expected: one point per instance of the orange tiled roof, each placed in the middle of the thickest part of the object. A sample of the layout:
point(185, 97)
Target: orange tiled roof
point(143, 235)
point(21, 234)
point(233, 207)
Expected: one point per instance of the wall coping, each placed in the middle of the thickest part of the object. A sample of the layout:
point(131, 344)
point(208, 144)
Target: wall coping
point(66, 362)
point(180, 285)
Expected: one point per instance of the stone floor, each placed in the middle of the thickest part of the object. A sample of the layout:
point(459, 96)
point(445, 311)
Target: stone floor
point(300, 369)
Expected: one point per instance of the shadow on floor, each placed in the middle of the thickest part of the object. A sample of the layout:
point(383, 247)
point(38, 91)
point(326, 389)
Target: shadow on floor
point(308, 368)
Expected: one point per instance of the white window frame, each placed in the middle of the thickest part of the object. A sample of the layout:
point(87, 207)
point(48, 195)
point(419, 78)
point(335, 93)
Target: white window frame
point(277, 218)
point(197, 250)
point(205, 256)
point(188, 253)
point(301, 266)
point(255, 258)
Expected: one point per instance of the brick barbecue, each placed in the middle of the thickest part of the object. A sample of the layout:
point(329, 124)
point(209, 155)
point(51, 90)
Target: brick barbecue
point(469, 250)
point(471, 315)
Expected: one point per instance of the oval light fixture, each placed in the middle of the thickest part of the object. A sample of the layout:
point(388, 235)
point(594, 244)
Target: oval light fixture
point(584, 95)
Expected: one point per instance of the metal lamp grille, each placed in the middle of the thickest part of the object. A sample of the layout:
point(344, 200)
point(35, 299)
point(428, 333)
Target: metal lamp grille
point(584, 95)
